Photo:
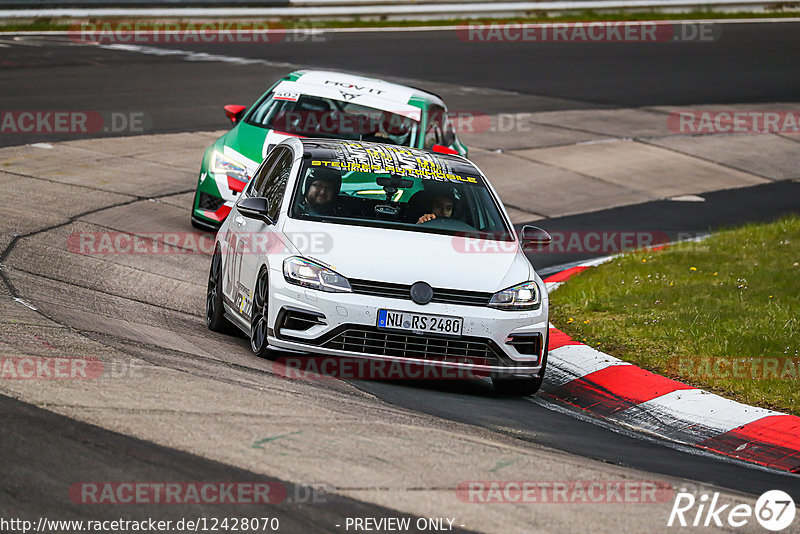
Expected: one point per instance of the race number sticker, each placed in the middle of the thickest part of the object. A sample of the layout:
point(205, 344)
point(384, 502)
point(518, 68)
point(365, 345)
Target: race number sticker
point(286, 95)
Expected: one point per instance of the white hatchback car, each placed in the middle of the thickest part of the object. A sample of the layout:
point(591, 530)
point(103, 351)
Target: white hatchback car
point(365, 250)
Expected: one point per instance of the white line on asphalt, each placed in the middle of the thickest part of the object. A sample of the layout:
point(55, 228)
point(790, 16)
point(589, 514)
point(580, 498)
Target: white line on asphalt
point(687, 198)
point(193, 56)
point(26, 304)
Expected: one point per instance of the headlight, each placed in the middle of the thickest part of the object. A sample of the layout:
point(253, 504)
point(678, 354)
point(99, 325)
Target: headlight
point(222, 164)
point(309, 274)
point(522, 297)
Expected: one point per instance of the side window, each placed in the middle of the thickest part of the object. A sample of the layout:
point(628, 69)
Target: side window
point(448, 132)
point(433, 133)
point(257, 183)
point(274, 186)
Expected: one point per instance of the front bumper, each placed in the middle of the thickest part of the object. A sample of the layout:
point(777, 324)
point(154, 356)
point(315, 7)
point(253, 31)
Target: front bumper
point(493, 342)
point(214, 199)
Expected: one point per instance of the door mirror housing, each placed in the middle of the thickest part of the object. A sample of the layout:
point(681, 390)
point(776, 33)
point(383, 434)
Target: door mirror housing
point(441, 149)
point(234, 112)
point(534, 238)
point(255, 208)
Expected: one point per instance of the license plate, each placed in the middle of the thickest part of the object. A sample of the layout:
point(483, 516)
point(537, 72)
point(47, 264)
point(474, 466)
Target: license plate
point(420, 322)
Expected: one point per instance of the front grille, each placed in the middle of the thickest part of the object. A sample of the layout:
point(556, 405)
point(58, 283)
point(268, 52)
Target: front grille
point(376, 342)
point(210, 202)
point(403, 291)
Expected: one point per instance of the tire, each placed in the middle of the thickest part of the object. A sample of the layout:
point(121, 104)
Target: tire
point(260, 316)
point(215, 311)
point(516, 387)
point(523, 387)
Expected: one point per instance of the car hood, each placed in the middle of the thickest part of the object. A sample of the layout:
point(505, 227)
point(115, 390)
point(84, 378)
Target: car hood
point(405, 257)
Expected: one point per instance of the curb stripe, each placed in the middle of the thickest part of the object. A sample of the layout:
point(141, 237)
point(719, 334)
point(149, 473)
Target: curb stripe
point(615, 390)
point(690, 416)
point(566, 274)
point(773, 441)
point(599, 391)
point(559, 339)
point(571, 362)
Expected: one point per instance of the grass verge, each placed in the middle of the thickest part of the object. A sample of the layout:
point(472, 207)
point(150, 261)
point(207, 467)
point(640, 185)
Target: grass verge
point(722, 314)
point(60, 24)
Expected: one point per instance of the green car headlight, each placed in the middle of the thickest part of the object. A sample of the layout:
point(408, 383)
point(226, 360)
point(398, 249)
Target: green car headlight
point(309, 274)
point(522, 297)
point(222, 164)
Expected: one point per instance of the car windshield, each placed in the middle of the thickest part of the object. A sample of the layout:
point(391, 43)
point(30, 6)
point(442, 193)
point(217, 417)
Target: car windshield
point(444, 203)
point(313, 116)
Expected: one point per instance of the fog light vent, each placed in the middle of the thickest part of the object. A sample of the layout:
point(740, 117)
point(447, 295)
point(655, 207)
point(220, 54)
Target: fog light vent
point(527, 344)
point(293, 319)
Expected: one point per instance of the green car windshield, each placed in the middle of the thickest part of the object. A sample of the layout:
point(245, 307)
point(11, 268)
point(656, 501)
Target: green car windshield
point(460, 206)
point(313, 116)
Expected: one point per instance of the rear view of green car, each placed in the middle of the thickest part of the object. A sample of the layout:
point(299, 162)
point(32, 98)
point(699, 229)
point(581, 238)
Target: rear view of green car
point(317, 104)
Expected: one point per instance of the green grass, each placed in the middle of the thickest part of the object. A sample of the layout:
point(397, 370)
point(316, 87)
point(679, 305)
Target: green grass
point(731, 303)
point(60, 24)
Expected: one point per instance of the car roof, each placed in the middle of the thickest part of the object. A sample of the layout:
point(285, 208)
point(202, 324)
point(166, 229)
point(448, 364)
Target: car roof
point(374, 86)
point(366, 153)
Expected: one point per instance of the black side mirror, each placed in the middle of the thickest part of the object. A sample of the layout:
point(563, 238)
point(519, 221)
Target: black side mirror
point(534, 238)
point(255, 208)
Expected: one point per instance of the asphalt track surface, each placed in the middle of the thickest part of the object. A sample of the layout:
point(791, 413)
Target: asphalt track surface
point(674, 221)
point(43, 453)
point(750, 63)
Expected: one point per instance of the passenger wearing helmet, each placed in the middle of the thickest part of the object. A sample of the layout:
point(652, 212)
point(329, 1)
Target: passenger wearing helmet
point(321, 189)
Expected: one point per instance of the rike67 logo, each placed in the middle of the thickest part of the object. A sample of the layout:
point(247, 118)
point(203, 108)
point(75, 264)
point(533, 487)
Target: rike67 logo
point(774, 511)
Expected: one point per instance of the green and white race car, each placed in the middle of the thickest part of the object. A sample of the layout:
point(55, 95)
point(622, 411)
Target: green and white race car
point(316, 104)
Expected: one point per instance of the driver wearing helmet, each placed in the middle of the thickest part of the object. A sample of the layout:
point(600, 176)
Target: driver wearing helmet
point(391, 129)
point(321, 189)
